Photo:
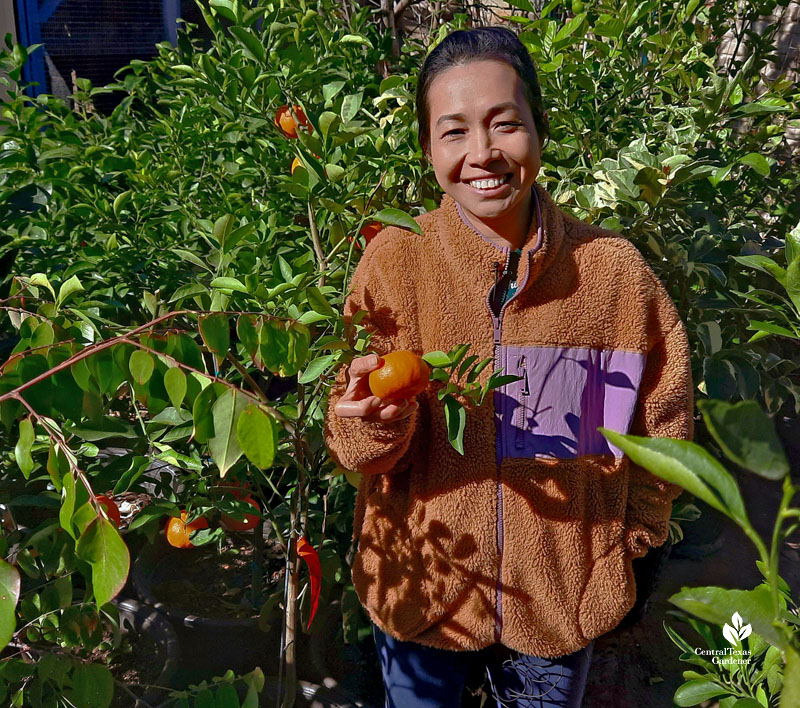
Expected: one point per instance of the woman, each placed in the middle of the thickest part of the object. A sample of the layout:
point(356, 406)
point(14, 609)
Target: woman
point(516, 555)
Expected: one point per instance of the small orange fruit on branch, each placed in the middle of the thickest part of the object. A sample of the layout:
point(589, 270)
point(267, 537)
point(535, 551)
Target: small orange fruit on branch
point(402, 374)
point(178, 530)
point(284, 120)
point(370, 230)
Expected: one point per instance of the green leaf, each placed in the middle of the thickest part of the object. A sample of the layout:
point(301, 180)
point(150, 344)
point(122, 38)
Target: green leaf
point(101, 546)
point(201, 411)
point(746, 435)
point(248, 335)
point(456, 417)
point(252, 45)
point(103, 428)
point(437, 358)
point(318, 302)
point(175, 383)
point(317, 367)
point(214, 329)
point(757, 161)
point(223, 227)
point(396, 217)
point(189, 290)
point(790, 695)
point(92, 686)
point(42, 280)
point(224, 446)
point(329, 90)
point(229, 284)
point(688, 465)
point(297, 354)
point(764, 264)
point(351, 105)
point(121, 200)
point(69, 287)
point(792, 283)
point(355, 39)
point(258, 436)
point(141, 366)
point(696, 691)
point(273, 344)
point(22, 450)
point(717, 605)
point(793, 244)
point(10, 585)
point(237, 235)
point(227, 697)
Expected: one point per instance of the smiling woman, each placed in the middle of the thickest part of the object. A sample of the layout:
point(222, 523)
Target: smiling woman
point(515, 555)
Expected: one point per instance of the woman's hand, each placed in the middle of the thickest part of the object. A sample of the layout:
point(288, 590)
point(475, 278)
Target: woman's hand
point(358, 400)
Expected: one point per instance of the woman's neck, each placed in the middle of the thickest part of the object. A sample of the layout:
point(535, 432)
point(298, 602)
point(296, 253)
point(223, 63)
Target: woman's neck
point(511, 231)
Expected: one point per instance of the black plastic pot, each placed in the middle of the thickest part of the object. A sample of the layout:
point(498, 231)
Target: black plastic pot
point(141, 619)
point(208, 645)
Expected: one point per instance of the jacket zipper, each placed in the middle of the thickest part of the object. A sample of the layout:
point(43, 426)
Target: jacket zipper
point(497, 325)
point(522, 370)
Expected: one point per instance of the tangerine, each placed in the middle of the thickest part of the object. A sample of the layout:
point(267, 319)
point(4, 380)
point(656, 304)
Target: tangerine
point(402, 374)
point(112, 510)
point(284, 120)
point(178, 530)
point(298, 163)
point(250, 520)
point(370, 230)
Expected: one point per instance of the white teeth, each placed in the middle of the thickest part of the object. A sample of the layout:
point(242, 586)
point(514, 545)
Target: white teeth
point(490, 183)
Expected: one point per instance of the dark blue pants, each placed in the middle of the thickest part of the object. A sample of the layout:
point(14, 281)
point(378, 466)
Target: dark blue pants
point(419, 676)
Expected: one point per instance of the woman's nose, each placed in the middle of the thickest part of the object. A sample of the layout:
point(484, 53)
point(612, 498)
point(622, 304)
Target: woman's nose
point(481, 149)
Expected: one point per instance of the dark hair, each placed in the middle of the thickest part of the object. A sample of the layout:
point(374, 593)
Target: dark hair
point(463, 46)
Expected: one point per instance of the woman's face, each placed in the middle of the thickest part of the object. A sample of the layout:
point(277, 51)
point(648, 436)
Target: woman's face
point(481, 126)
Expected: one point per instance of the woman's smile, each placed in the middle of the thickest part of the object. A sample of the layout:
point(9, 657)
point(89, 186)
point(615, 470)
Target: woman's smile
point(492, 187)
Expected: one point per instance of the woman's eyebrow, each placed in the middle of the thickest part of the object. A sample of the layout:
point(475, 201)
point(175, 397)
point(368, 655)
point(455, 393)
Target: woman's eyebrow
point(494, 109)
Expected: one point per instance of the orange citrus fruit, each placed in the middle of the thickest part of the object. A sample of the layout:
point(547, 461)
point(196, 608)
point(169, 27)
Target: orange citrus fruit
point(250, 520)
point(112, 510)
point(284, 120)
point(370, 230)
point(402, 374)
point(178, 530)
point(298, 163)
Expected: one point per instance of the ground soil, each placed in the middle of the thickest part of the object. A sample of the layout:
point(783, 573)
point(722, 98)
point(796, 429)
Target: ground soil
point(137, 668)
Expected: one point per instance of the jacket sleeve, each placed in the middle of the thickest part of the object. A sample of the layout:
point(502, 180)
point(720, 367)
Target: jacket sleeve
point(665, 409)
point(355, 444)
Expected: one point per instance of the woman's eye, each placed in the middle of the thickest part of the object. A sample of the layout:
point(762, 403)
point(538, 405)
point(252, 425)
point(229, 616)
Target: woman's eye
point(461, 130)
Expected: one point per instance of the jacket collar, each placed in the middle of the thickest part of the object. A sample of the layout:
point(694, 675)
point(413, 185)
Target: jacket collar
point(471, 252)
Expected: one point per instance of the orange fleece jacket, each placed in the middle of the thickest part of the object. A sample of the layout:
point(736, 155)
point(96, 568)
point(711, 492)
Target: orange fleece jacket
point(526, 539)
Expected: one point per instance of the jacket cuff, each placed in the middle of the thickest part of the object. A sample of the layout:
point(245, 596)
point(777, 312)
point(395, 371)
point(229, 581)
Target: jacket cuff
point(649, 509)
point(368, 447)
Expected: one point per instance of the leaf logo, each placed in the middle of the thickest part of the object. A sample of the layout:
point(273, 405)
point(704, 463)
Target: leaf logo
point(739, 631)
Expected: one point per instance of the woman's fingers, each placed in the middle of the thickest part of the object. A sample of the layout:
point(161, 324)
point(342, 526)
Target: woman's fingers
point(396, 410)
point(349, 407)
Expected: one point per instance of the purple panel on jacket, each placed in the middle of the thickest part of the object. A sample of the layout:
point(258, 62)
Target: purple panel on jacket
point(565, 394)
